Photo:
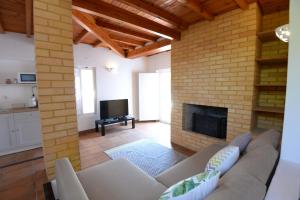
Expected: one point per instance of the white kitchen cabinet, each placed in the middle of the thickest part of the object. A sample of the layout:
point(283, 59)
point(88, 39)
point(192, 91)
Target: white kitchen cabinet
point(27, 128)
point(19, 131)
point(6, 137)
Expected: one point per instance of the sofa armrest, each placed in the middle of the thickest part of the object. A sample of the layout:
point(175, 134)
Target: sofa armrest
point(68, 184)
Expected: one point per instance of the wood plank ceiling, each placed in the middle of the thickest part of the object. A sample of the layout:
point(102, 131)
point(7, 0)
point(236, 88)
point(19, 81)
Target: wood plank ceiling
point(131, 28)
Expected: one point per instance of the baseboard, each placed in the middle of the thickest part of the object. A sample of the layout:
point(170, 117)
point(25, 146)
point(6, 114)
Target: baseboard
point(184, 149)
point(148, 121)
point(87, 131)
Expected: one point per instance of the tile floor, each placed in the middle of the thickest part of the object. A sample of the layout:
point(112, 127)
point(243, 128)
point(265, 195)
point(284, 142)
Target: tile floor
point(22, 175)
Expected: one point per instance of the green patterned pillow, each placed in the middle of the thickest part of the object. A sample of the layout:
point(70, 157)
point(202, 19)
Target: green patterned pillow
point(194, 188)
point(224, 159)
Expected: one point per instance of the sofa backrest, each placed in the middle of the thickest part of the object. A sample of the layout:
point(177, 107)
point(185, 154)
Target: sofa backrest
point(247, 179)
point(189, 166)
point(68, 184)
point(258, 162)
point(271, 137)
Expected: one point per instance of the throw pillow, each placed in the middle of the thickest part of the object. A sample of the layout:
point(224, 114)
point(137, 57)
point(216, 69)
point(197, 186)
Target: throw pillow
point(196, 187)
point(223, 160)
point(241, 141)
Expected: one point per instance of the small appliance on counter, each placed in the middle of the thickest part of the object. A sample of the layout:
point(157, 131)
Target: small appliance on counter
point(33, 102)
point(27, 78)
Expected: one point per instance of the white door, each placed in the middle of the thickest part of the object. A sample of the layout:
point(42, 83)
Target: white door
point(148, 96)
point(28, 131)
point(165, 96)
point(6, 134)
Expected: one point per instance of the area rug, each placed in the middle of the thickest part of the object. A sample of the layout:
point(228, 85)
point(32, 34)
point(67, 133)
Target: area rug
point(148, 155)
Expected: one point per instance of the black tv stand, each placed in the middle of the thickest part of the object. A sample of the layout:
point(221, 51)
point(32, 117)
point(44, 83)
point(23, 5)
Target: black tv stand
point(105, 122)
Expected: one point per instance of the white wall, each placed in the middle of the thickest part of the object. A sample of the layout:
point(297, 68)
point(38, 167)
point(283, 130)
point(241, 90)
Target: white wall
point(122, 84)
point(158, 61)
point(291, 131)
point(17, 55)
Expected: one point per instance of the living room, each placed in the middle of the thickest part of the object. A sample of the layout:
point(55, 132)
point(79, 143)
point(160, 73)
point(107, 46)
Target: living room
point(191, 99)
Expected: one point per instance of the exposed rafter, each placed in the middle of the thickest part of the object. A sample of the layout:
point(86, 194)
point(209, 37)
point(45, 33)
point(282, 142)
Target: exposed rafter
point(87, 23)
point(1, 27)
point(29, 17)
point(103, 9)
point(126, 46)
point(98, 43)
point(156, 47)
point(126, 40)
point(157, 12)
point(124, 30)
point(243, 4)
point(80, 36)
point(198, 8)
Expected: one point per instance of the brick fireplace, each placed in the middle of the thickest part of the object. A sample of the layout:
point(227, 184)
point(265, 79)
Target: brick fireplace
point(214, 65)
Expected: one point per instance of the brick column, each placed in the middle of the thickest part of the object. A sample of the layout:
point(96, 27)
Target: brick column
point(55, 75)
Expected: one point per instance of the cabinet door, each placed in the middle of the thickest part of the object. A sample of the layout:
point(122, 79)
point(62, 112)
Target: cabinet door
point(28, 131)
point(6, 142)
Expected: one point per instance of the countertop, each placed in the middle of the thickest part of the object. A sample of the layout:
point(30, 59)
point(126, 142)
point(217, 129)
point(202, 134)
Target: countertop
point(17, 110)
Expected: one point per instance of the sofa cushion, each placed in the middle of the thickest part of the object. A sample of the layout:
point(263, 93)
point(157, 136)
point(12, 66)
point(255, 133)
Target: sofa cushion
point(119, 180)
point(271, 136)
point(189, 167)
point(238, 186)
point(68, 185)
point(241, 141)
point(258, 163)
point(224, 159)
point(193, 188)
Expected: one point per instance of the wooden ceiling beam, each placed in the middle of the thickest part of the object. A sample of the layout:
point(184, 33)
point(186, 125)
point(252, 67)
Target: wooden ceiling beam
point(29, 17)
point(102, 9)
point(156, 47)
point(124, 30)
point(87, 23)
point(126, 40)
point(98, 43)
point(126, 46)
point(157, 12)
point(198, 8)
point(81, 36)
point(1, 27)
point(243, 4)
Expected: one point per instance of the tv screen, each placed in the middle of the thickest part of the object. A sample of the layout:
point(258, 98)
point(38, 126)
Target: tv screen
point(113, 108)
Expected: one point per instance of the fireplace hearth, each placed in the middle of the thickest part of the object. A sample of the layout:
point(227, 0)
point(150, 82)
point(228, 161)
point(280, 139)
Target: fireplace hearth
point(207, 120)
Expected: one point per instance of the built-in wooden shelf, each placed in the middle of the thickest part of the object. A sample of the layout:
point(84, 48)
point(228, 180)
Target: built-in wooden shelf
point(267, 36)
point(271, 86)
point(278, 60)
point(269, 109)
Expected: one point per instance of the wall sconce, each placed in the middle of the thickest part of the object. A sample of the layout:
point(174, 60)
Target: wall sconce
point(283, 33)
point(111, 67)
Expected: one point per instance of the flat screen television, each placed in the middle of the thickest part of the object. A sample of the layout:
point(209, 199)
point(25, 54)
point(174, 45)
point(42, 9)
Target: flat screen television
point(113, 108)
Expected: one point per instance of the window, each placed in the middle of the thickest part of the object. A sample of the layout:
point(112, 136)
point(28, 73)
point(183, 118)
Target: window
point(85, 90)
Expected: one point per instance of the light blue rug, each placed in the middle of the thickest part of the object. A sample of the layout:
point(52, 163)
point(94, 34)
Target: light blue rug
point(148, 155)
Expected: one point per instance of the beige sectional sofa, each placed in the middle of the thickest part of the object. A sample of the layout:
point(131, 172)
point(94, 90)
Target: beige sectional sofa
point(121, 180)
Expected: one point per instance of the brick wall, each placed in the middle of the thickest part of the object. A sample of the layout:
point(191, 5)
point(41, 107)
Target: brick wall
point(55, 74)
point(214, 64)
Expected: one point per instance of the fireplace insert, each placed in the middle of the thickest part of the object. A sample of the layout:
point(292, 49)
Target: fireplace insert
point(207, 120)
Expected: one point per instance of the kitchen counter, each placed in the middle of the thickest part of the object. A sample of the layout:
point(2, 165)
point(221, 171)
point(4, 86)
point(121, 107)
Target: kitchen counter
point(17, 110)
